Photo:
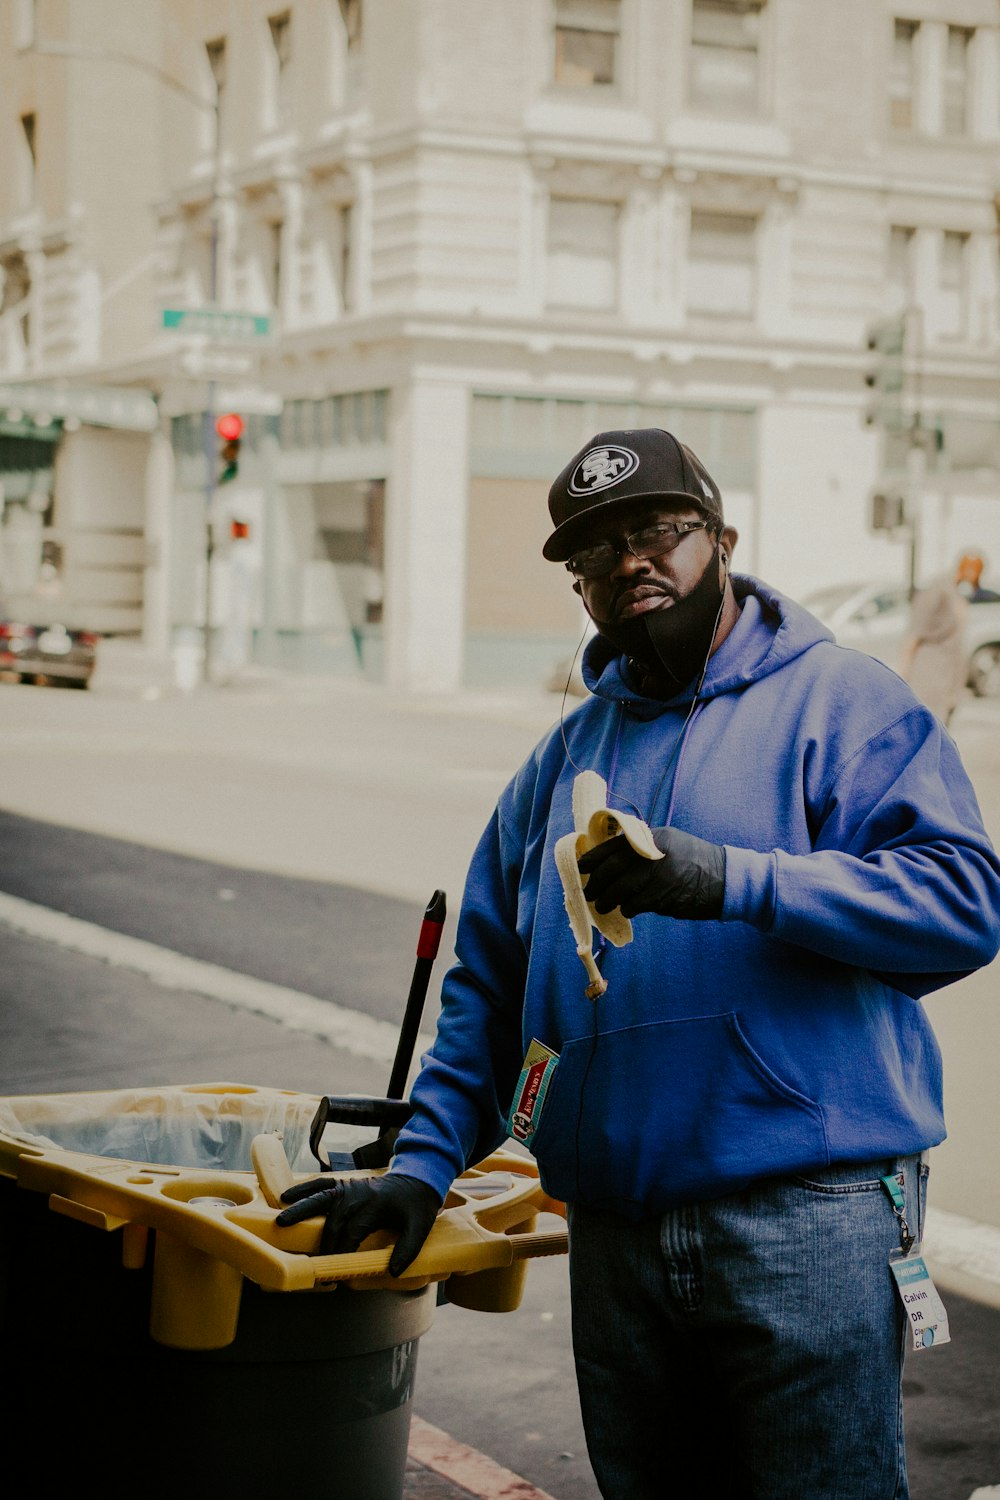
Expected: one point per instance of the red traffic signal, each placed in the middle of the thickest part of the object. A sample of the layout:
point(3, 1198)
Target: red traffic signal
point(229, 426)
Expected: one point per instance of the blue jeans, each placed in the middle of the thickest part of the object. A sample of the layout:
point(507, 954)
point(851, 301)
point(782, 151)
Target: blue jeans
point(750, 1346)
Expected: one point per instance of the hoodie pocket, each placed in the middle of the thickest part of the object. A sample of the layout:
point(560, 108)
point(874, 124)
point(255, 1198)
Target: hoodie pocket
point(647, 1117)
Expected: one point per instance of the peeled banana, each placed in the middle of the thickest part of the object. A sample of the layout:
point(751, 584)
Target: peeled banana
point(594, 823)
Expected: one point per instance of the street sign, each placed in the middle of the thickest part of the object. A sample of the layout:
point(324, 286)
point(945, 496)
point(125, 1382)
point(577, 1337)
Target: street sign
point(218, 322)
point(210, 362)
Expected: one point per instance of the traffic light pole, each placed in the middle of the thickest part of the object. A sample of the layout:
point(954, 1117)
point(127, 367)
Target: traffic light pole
point(210, 444)
point(209, 420)
point(916, 468)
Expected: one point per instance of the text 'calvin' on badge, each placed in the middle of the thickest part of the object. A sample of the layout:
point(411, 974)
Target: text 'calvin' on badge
point(922, 1301)
point(532, 1086)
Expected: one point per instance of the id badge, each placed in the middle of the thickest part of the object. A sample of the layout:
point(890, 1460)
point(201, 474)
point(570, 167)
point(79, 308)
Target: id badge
point(532, 1086)
point(921, 1299)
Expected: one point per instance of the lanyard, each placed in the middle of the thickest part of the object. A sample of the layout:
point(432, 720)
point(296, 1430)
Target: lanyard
point(896, 1188)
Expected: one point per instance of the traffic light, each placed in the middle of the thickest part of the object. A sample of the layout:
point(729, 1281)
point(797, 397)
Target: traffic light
point(885, 374)
point(230, 430)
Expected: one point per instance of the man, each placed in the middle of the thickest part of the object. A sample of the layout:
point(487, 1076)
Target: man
point(721, 1119)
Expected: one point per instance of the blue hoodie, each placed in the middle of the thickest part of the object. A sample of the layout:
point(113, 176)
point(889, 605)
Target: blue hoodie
point(784, 1037)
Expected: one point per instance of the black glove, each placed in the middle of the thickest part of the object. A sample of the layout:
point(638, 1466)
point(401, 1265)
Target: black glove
point(356, 1206)
point(689, 881)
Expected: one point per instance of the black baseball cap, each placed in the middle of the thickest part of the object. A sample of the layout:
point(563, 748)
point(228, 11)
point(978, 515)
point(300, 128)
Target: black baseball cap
point(636, 464)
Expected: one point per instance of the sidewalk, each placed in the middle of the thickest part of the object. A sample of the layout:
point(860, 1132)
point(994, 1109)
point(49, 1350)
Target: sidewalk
point(439, 1468)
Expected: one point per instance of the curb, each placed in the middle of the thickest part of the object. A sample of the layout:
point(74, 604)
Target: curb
point(470, 1470)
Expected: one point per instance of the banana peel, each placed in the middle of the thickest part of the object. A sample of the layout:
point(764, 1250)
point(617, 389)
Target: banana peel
point(594, 823)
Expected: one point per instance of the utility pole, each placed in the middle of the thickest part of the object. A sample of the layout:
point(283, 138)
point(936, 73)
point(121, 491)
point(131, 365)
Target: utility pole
point(916, 454)
point(916, 472)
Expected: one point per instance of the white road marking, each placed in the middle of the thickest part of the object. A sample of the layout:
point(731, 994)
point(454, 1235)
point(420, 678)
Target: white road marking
point(351, 1030)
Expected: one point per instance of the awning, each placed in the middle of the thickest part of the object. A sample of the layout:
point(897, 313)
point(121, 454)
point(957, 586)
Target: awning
point(30, 408)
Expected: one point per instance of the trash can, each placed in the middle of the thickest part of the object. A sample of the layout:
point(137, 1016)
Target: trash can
point(151, 1312)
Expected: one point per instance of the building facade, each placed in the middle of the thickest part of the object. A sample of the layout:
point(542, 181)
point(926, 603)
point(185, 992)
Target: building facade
point(477, 234)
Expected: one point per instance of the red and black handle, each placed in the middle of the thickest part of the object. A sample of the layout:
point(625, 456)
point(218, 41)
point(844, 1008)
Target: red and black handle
point(391, 1113)
point(427, 950)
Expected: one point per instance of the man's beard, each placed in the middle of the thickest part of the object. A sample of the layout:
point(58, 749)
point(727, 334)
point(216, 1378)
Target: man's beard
point(674, 641)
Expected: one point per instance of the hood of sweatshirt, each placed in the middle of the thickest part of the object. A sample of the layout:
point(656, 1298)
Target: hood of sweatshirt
point(771, 631)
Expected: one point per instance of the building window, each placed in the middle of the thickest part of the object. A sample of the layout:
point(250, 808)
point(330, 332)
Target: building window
point(956, 81)
point(15, 314)
point(899, 271)
point(29, 156)
point(721, 272)
point(529, 436)
point(352, 20)
point(215, 55)
point(24, 25)
point(351, 14)
point(345, 245)
point(586, 42)
point(952, 278)
point(582, 265)
point(215, 51)
point(280, 27)
point(903, 75)
point(725, 63)
point(276, 232)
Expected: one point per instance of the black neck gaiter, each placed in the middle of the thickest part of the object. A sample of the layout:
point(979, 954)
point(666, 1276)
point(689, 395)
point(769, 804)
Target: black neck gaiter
point(674, 643)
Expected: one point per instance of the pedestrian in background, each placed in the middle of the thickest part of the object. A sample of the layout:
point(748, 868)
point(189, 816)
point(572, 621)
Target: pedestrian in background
point(737, 1123)
point(934, 658)
point(969, 574)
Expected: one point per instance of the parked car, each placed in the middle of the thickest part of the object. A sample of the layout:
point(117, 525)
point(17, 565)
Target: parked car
point(874, 617)
point(47, 653)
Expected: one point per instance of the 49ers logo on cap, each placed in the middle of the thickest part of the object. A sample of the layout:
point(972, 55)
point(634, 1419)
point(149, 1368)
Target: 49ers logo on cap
point(601, 468)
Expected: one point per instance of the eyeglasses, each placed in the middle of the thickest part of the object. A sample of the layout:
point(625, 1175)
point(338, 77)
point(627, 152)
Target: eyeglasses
point(651, 541)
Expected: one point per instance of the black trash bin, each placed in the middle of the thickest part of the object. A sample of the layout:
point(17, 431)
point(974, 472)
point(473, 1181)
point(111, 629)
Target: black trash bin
point(150, 1316)
point(316, 1388)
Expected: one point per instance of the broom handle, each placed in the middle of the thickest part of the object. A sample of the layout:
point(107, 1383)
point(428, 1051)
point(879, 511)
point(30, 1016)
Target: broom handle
point(427, 947)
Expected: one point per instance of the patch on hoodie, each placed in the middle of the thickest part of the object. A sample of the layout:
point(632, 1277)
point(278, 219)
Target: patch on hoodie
point(532, 1086)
